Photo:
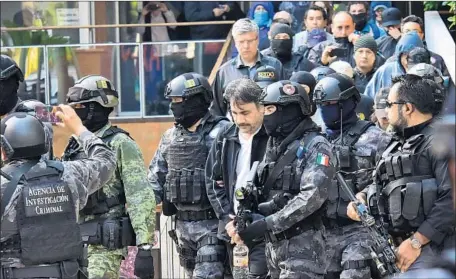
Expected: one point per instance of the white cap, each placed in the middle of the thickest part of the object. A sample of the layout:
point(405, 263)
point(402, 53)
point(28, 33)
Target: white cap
point(342, 67)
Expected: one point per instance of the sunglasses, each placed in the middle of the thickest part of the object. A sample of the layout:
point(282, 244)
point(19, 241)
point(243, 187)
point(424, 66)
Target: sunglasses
point(390, 104)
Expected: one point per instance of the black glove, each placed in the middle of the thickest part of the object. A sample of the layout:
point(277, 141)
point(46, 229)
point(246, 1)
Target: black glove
point(254, 232)
point(144, 264)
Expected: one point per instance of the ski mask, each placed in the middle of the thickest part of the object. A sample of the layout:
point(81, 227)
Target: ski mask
point(360, 21)
point(8, 95)
point(93, 115)
point(261, 18)
point(189, 111)
point(283, 121)
point(283, 48)
point(331, 114)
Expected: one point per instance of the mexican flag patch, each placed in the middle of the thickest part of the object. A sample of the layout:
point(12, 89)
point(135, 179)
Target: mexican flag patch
point(322, 159)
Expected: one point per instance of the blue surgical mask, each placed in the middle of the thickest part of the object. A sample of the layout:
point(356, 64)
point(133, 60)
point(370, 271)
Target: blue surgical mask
point(261, 18)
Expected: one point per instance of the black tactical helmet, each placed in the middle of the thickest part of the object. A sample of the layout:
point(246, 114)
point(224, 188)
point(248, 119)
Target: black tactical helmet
point(9, 69)
point(93, 88)
point(335, 87)
point(321, 72)
point(187, 85)
point(286, 92)
point(23, 136)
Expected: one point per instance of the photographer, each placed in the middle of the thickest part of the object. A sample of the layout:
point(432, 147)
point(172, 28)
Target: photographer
point(159, 13)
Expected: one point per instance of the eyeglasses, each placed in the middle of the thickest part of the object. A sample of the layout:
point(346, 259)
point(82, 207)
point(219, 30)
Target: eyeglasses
point(390, 104)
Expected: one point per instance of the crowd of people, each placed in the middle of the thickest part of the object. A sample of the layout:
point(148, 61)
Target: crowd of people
point(310, 111)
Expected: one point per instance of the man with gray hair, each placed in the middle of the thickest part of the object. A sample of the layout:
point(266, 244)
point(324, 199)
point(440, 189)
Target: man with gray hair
point(249, 59)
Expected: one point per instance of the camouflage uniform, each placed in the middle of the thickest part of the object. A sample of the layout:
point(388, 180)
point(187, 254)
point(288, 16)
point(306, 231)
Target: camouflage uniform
point(129, 179)
point(200, 252)
point(348, 241)
point(301, 255)
point(83, 177)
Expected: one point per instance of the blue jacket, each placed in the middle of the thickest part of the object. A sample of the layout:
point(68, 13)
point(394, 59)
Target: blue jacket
point(384, 75)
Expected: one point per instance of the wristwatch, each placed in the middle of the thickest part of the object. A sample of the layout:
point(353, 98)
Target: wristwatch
point(415, 242)
point(145, 247)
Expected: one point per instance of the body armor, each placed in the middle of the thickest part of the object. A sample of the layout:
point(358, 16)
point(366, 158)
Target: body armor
point(48, 232)
point(406, 189)
point(283, 178)
point(185, 182)
point(347, 161)
point(112, 233)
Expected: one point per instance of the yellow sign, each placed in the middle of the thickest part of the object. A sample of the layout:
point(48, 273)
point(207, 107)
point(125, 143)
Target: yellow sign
point(190, 83)
point(266, 74)
point(102, 84)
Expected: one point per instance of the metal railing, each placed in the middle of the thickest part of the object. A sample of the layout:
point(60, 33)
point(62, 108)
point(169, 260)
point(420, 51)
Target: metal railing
point(138, 70)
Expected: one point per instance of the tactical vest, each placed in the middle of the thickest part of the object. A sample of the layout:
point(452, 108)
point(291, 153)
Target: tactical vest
point(186, 158)
point(405, 192)
point(48, 231)
point(286, 178)
point(338, 200)
point(97, 203)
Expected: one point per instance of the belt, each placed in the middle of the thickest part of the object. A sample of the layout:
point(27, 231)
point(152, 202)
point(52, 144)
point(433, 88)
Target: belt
point(196, 215)
point(340, 222)
point(58, 270)
point(297, 229)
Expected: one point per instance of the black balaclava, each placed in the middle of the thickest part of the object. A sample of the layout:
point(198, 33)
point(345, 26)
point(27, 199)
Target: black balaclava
point(360, 21)
point(308, 79)
point(8, 95)
point(93, 115)
point(282, 48)
point(189, 111)
point(283, 121)
point(331, 115)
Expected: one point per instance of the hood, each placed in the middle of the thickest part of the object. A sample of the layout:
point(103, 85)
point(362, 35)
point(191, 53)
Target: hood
point(374, 4)
point(407, 42)
point(267, 5)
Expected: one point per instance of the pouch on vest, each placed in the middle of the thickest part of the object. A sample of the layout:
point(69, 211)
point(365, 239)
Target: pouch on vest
point(168, 208)
point(46, 219)
point(343, 155)
point(412, 200)
point(429, 194)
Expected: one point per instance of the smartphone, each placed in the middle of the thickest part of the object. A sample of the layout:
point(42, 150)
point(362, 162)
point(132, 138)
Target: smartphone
point(339, 52)
point(47, 114)
point(153, 7)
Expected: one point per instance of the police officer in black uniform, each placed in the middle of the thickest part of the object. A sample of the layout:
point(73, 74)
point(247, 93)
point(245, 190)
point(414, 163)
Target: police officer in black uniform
point(412, 190)
point(177, 175)
point(10, 78)
point(281, 37)
point(294, 179)
point(355, 143)
point(41, 198)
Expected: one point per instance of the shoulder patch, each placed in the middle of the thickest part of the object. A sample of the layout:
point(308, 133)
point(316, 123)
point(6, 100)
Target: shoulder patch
point(322, 159)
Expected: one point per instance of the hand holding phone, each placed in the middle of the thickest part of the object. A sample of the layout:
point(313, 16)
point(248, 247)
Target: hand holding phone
point(47, 114)
point(339, 52)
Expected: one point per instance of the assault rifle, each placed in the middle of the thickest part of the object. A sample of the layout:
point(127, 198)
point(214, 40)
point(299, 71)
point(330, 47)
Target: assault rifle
point(382, 251)
point(247, 197)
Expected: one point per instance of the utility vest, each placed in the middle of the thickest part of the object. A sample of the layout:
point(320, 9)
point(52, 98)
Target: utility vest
point(338, 200)
point(112, 233)
point(186, 157)
point(48, 232)
point(406, 188)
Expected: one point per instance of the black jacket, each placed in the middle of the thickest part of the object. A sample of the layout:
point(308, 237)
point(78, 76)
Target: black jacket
point(297, 62)
point(202, 11)
point(386, 45)
point(220, 168)
point(361, 80)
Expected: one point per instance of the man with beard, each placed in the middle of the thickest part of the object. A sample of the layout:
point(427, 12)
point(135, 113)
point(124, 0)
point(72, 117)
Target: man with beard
point(343, 28)
point(94, 98)
point(412, 190)
point(10, 77)
point(229, 161)
point(298, 166)
point(177, 175)
point(356, 143)
point(281, 38)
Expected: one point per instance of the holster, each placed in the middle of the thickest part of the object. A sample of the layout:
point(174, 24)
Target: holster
point(168, 208)
point(112, 233)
